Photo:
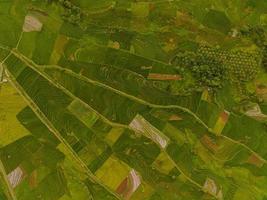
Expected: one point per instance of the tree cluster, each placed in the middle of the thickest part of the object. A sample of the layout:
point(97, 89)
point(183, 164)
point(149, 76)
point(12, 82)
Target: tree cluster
point(256, 34)
point(259, 36)
point(73, 13)
point(264, 57)
point(207, 72)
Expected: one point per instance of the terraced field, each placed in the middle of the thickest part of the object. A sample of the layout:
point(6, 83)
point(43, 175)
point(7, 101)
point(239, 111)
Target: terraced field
point(134, 100)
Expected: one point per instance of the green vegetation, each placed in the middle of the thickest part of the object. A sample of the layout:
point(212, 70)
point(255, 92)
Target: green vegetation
point(208, 72)
point(72, 13)
point(11, 104)
point(264, 59)
point(133, 100)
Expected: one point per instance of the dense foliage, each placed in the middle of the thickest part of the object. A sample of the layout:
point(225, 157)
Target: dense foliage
point(208, 72)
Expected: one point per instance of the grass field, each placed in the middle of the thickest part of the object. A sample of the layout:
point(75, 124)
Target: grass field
point(10, 104)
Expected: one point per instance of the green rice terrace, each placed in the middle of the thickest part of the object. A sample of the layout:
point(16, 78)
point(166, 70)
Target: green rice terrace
point(133, 99)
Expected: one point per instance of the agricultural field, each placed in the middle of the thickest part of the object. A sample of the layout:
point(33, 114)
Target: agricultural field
point(133, 100)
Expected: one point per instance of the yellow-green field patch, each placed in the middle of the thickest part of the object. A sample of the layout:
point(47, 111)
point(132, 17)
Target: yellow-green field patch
point(10, 105)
